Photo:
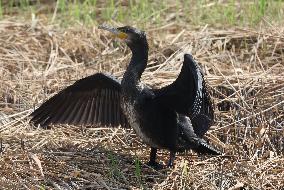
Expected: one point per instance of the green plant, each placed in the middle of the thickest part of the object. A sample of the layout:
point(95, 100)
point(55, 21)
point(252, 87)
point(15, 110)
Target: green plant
point(114, 169)
point(262, 6)
point(138, 169)
point(138, 172)
point(1, 9)
point(145, 12)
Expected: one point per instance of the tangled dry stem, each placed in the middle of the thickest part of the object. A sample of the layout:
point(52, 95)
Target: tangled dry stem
point(244, 70)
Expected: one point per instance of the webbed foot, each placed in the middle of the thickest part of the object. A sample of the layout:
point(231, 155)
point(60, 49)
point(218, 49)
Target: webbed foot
point(155, 165)
point(171, 160)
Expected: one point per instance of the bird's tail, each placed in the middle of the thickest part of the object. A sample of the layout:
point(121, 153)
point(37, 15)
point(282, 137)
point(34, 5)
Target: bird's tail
point(188, 139)
point(204, 148)
point(200, 146)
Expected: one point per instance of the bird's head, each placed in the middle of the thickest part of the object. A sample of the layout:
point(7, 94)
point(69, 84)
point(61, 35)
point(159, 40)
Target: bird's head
point(134, 38)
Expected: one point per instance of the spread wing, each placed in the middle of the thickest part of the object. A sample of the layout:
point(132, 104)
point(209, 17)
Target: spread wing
point(188, 95)
point(91, 100)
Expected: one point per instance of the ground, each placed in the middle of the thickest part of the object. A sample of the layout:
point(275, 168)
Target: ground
point(244, 71)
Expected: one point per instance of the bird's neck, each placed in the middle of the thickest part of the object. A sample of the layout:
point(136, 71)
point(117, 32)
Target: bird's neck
point(136, 67)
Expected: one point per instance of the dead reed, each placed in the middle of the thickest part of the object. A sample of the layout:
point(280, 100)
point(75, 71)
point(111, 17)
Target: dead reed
point(244, 70)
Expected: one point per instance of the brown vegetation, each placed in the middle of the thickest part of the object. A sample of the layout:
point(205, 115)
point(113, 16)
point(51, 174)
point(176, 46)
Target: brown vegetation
point(244, 70)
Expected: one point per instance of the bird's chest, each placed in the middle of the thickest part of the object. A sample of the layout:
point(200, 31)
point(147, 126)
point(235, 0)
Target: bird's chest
point(134, 120)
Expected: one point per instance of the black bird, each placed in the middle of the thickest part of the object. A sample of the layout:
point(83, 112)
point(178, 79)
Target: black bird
point(174, 117)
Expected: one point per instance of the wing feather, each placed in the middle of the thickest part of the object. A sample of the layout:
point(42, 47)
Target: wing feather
point(72, 113)
point(84, 117)
point(79, 113)
point(60, 109)
point(91, 112)
point(89, 101)
point(62, 117)
point(111, 110)
point(188, 95)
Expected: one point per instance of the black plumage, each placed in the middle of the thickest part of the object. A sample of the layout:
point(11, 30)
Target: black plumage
point(174, 117)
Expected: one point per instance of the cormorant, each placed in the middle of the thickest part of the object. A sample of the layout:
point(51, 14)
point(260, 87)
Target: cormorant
point(174, 117)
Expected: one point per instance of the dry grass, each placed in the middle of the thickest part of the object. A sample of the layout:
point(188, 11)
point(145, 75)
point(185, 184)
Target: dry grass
point(244, 70)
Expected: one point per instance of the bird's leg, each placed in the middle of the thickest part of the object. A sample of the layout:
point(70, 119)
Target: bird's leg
point(172, 159)
point(153, 155)
point(152, 162)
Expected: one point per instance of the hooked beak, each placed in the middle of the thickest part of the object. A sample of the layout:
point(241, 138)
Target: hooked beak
point(114, 31)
